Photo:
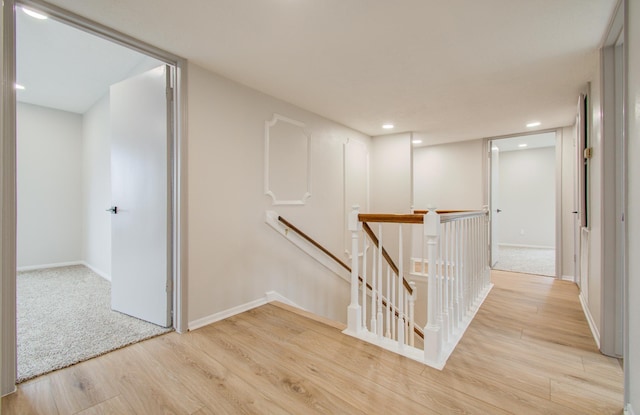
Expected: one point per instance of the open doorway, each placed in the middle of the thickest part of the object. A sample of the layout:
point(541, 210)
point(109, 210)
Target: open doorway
point(65, 233)
point(523, 204)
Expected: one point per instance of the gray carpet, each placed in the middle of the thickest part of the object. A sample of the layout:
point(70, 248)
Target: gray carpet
point(64, 317)
point(538, 261)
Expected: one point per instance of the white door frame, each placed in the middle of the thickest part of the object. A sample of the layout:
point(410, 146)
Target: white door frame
point(613, 247)
point(8, 173)
point(558, 185)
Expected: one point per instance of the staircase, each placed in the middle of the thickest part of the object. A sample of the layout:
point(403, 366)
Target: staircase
point(437, 259)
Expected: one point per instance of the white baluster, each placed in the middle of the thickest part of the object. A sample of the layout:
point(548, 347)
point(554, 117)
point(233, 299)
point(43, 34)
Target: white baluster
point(444, 253)
point(364, 283)
point(401, 321)
point(354, 316)
point(487, 265)
point(374, 303)
point(391, 288)
point(457, 274)
point(374, 293)
point(432, 332)
point(379, 316)
point(392, 299)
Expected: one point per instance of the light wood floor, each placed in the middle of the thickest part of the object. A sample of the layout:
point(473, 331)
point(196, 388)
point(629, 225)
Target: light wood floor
point(529, 351)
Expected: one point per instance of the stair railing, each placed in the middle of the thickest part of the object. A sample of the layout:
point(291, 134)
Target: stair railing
point(453, 258)
point(367, 289)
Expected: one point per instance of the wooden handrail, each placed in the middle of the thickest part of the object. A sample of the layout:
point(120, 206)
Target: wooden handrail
point(306, 237)
point(442, 212)
point(416, 217)
point(314, 243)
point(390, 217)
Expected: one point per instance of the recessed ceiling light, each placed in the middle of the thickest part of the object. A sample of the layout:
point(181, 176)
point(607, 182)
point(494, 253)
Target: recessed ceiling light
point(387, 126)
point(522, 145)
point(19, 87)
point(34, 14)
point(416, 141)
point(533, 124)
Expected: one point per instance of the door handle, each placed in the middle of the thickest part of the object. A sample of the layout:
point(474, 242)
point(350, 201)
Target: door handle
point(113, 210)
point(498, 210)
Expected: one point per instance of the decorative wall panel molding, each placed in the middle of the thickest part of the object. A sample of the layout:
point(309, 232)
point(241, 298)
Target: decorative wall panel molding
point(287, 161)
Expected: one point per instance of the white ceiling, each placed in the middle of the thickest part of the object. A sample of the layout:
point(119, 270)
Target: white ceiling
point(65, 68)
point(447, 70)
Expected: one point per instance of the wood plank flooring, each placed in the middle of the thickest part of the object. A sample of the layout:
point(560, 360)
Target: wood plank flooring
point(528, 351)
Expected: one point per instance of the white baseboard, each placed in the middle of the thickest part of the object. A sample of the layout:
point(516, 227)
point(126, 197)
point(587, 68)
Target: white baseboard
point(97, 271)
point(629, 410)
point(527, 246)
point(45, 266)
point(592, 323)
point(274, 296)
point(269, 296)
point(568, 278)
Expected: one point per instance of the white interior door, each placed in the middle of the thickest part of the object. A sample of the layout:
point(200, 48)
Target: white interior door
point(140, 222)
point(494, 200)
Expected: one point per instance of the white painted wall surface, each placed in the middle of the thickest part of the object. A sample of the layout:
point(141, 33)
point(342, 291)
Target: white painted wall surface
point(632, 40)
point(391, 174)
point(96, 188)
point(527, 197)
point(49, 186)
point(449, 176)
point(234, 257)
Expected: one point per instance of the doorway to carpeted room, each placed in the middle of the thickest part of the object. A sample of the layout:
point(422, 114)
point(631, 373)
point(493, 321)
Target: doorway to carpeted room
point(64, 317)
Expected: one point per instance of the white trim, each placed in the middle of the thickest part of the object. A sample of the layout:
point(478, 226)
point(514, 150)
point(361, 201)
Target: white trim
point(272, 296)
point(568, 278)
point(269, 297)
point(527, 246)
point(66, 264)
point(267, 149)
point(592, 323)
point(8, 201)
point(271, 218)
point(97, 271)
point(628, 410)
point(54, 265)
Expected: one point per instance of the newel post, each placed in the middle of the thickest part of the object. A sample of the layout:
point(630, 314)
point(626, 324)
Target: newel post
point(432, 331)
point(354, 313)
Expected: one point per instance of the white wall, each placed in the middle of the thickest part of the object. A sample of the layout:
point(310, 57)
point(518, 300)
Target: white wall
point(96, 188)
point(49, 186)
point(632, 359)
point(391, 174)
point(527, 197)
point(233, 256)
point(449, 176)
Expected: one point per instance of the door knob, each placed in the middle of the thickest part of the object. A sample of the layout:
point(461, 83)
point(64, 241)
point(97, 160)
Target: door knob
point(498, 210)
point(113, 210)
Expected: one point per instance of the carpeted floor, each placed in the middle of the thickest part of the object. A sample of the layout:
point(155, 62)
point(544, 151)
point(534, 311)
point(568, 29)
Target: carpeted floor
point(64, 317)
point(538, 261)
